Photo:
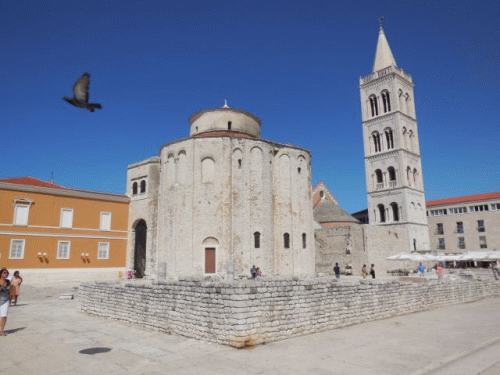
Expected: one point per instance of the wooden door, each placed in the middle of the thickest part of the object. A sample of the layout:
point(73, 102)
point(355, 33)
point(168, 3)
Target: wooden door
point(209, 260)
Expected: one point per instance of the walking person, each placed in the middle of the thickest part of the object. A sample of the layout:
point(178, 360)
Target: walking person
point(372, 271)
point(4, 299)
point(421, 270)
point(494, 267)
point(336, 269)
point(364, 271)
point(15, 286)
point(253, 272)
point(439, 270)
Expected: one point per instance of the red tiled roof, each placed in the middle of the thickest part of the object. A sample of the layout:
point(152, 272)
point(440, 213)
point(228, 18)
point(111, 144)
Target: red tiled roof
point(31, 181)
point(224, 133)
point(465, 198)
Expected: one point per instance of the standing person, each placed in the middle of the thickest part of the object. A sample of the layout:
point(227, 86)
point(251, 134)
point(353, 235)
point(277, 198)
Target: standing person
point(421, 270)
point(258, 272)
point(494, 266)
point(4, 299)
point(372, 271)
point(364, 271)
point(440, 271)
point(336, 269)
point(15, 286)
point(253, 272)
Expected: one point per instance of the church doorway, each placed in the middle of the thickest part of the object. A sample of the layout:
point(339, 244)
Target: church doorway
point(210, 260)
point(140, 249)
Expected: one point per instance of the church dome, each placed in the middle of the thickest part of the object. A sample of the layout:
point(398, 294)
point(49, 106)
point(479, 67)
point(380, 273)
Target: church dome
point(224, 121)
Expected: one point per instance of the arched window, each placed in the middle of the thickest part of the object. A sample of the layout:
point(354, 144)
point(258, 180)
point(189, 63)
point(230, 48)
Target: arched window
point(408, 172)
point(304, 243)
point(256, 240)
point(207, 170)
point(404, 137)
point(134, 188)
point(229, 125)
point(381, 211)
point(390, 138)
point(143, 186)
point(321, 194)
point(415, 173)
point(392, 173)
point(380, 179)
point(402, 102)
point(286, 241)
point(395, 211)
point(386, 101)
point(376, 141)
point(373, 105)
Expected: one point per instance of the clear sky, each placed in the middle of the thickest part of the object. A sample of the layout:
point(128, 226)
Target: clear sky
point(294, 64)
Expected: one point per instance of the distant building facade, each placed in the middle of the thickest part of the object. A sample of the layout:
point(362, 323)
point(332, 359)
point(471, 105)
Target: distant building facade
point(220, 201)
point(53, 233)
point(467, 223)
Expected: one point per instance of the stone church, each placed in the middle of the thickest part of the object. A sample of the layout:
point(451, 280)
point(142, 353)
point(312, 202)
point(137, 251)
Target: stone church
point(224, 199)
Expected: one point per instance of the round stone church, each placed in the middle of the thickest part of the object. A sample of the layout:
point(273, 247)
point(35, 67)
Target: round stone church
point(221, 201)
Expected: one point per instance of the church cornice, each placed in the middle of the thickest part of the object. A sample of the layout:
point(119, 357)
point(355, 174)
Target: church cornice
point(387, 117)
point(391, 191)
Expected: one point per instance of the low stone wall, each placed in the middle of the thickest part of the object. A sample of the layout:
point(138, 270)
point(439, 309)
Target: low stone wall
point(247, 312)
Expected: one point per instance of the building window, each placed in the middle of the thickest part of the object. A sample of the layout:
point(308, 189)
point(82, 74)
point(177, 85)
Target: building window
point(16, 249)
point(304, 241)
point(480, 226)
point(458, 210)
point(321, 194)
point(380, 179)
point(256, 240)
point(373, 105)
point(381, 211)
point(239, 163)
point(386, 101)
point(461, 242)
point(63, 248)
point(103, 250)
point(376, 141)
point(66, 218)
point(143, 186)
point(286, 241)
point(440, 212)
point(441, 244)
point(229, 125)
point(395, 211)
point(207, 170)
point(439, 229)
point(105, 221)
point(495, 206)
point(134, 188)
point(21, 213)
point(479, 208)
point(482, 242)
point(389, 138)
point(460, 227)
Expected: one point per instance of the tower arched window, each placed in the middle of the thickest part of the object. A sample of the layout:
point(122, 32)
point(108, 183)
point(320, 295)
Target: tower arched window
point(380, 179)
point(134, 188)
point(304, 241)
point(286, 241)
point(229, 124)
point(389, 138)
point(256, 240)
point(408, 172)
point(381, 212)
point(415, 173)
point(402, 102)
point(395, 211)
point(373, 105)
point(386, 101)
point(143, 186)
point(392, 176)
point(376, 141)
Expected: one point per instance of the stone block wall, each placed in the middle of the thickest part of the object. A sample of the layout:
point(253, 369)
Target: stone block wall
point(246, 312)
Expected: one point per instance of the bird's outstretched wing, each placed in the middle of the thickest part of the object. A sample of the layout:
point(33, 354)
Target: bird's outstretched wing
point(81, 88)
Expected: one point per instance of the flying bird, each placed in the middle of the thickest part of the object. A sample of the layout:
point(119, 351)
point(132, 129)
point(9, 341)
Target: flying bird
point(80, 97)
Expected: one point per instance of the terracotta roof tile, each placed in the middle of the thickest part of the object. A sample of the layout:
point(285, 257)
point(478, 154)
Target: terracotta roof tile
point(465, 198)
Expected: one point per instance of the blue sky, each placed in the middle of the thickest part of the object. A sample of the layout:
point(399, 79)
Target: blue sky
point(294, 64)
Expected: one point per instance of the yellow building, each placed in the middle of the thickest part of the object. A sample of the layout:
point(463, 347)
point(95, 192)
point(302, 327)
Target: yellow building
point(52, 233)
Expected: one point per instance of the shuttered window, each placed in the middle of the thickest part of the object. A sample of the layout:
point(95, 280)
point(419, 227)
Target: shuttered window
point(66, 218)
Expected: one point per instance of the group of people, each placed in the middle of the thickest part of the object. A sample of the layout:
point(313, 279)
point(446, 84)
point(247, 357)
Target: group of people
point(364, 271)
point(255, 271)
point(9, 292)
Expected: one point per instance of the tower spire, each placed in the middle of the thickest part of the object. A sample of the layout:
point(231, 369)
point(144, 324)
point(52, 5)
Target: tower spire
point(383, 55)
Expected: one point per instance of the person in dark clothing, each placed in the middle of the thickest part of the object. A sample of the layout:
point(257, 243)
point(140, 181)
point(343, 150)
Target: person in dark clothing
point(253, 272)
point(372, 271)
point(336, 269)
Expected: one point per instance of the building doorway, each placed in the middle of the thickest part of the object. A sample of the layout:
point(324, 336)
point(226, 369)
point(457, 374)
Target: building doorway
point(210, 260)
point(140, 249)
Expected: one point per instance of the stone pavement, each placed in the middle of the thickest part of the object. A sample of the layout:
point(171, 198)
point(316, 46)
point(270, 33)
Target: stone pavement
point(46, 335)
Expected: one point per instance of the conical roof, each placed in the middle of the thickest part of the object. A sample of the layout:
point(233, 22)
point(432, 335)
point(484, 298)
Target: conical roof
point(327, 211)
point(383, 55)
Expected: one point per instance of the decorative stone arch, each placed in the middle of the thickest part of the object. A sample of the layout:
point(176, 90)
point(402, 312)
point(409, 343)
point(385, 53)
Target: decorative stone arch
point(181, 167)
point(140, 251)
point(207, 169)
point(238, 158)
point(210, 246)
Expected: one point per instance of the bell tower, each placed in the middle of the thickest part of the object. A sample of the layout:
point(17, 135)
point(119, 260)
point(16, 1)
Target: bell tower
point(394, 181)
